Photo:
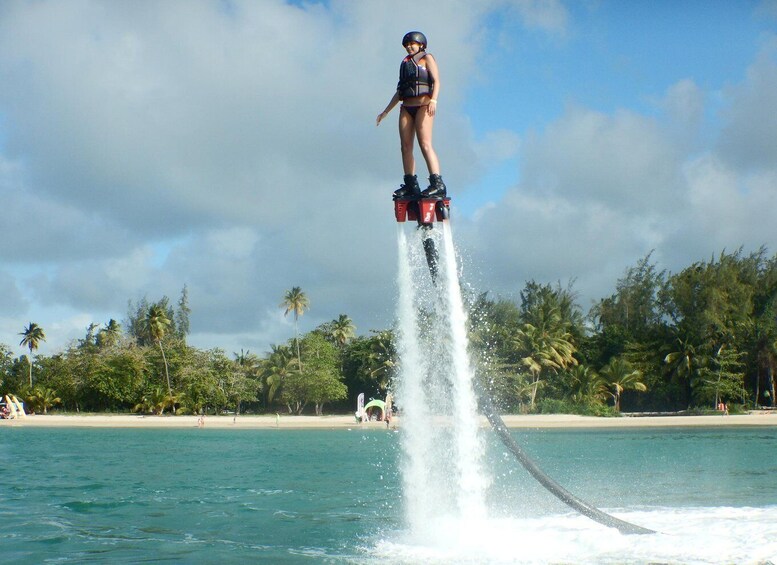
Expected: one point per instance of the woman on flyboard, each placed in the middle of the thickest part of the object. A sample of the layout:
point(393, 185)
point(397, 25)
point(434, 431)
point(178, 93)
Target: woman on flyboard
point(418, 89)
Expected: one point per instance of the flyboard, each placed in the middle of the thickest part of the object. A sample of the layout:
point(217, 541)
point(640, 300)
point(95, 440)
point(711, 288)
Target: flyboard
point(426, 211)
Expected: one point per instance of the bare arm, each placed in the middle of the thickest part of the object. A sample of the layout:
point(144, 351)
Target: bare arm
point(394, 101)
point(431, 66)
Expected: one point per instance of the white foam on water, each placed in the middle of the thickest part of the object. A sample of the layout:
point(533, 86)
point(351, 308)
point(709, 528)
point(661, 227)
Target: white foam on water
point(686, 535)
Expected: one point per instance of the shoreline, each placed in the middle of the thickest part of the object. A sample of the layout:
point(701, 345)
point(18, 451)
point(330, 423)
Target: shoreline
point(535, 421)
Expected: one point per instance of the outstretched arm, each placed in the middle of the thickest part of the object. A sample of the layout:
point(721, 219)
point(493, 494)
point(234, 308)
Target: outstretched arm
point(391, 104)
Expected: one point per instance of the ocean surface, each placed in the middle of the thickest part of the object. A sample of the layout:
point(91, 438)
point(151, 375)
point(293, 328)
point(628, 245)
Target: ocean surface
point(335, 496)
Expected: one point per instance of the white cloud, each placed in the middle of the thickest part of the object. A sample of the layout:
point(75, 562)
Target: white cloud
point(550, 238)
point(547, 15)
point(498, 145)
point(749, 137)
point(232, 148)
point(12, 303)
point(725, 210)
point(623, 160)
point(684, 108)
point(96, 283)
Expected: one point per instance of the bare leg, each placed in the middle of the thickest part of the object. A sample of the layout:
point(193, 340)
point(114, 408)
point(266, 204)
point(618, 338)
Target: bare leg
point(423, 129)
point(407, 132)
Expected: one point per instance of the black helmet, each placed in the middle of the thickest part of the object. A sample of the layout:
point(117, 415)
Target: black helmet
point(414, 36)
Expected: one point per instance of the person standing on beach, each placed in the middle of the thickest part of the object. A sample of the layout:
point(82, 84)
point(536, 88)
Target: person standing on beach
point(418, 89)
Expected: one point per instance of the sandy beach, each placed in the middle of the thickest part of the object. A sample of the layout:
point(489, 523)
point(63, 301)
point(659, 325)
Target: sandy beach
point(348, 421)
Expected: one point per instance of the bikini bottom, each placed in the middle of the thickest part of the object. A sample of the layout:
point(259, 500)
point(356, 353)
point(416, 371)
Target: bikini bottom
point(412, 110)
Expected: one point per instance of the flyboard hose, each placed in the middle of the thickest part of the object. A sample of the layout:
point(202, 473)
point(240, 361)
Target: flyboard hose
point(556, 489)
point(501, 430)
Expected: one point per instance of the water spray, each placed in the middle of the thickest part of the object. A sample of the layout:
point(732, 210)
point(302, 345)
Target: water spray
point(443, 464)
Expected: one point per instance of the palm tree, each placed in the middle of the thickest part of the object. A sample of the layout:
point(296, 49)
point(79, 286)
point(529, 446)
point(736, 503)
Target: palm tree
point(524, 386)
point(247, 362)
point(587, 385)
point(155, 325)
point(622, 376)
point(33, 335)
point(275, 368)
point(295, 301)
point(382, 357)
point(683, 363)
point(343, 330)
point(544, 348)
point(248, 367)
point(544, 342)
point(155, 401)
point(43, 399)
point(89, 340)
point(109, 335)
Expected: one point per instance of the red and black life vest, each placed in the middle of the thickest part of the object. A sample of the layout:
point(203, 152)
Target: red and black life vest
point(414, 80)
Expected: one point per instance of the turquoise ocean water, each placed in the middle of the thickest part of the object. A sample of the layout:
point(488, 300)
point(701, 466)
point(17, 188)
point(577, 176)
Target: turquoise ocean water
point(334, 496)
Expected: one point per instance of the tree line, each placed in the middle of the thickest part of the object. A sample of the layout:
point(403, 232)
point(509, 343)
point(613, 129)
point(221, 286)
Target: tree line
point(145, 365)
point(694, 340)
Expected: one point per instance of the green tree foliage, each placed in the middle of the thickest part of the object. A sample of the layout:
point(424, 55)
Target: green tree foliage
point(201, 376)
point(239, 383)
point(649, 359)
point(40, 399)
point(631, 322)
point(249, 368)
point(587, 387)
point(61, 374)
point(368, 364)
point(545, 342)
point(342, 330)
point(712, 305)
point(6, 362)
point(137, 314)
point(619, 375)
point(115, 379)
point(633, 311)
point(134, 324)
point(721, 379)
point(109, 335)
point(319, 382)
point(275, 369)
point(182, 314)
point(493, 324)
point(761, 332)
point(155, 401)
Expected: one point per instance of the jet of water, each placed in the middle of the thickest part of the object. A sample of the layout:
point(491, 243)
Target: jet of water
point(443, 473)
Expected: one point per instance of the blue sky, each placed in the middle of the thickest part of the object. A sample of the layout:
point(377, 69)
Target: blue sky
point(612, 56)
point(231, 147)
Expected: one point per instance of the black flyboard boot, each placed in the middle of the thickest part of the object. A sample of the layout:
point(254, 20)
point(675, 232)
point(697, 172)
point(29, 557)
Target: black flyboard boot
point(410, 189)
point(436, 188)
